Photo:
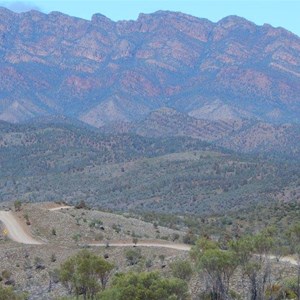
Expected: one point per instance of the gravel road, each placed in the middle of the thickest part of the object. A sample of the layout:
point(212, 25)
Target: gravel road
point(14, 229)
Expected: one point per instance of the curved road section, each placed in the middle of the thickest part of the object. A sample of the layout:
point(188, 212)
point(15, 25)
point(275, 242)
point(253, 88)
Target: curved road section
point(14, 229)
point(16, 232)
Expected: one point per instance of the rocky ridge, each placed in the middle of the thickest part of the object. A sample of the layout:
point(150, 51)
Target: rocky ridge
point(100, 71)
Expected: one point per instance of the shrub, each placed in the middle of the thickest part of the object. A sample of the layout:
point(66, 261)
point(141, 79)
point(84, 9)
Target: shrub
point(10, 294)
point(133, 256)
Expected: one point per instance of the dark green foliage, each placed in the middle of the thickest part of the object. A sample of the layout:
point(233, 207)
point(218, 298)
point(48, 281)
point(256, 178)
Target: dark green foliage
point(85, 273)
point(145, 286)
point(294, 239)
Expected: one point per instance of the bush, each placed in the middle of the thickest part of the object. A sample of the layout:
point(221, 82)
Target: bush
point(189, 238)
point(133, 256)
point(81, 205)
point(10, 294)
point(18, 205)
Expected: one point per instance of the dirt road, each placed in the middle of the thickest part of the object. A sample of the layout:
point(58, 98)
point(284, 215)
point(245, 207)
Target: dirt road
point(14, 229)
point(16, 232)
point(286, 259)
point(180, 247)
point(60, 207)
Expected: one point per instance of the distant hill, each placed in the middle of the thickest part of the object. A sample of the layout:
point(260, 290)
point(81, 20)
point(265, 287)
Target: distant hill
point(246, 136)
point(43, 162)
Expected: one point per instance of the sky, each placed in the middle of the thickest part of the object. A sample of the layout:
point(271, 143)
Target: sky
point(284, 13)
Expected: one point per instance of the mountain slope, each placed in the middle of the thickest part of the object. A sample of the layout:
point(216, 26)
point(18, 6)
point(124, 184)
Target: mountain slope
point(101, 71)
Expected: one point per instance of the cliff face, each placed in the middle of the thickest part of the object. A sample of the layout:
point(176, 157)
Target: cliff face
point(101, 71)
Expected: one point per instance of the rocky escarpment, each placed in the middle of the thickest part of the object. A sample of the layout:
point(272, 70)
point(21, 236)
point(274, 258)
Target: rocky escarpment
point(101, 71)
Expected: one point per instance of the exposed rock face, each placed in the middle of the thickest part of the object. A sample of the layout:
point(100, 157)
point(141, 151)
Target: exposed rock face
point(101, 71)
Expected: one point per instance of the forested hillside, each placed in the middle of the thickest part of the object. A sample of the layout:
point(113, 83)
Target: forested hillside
point(130, 172)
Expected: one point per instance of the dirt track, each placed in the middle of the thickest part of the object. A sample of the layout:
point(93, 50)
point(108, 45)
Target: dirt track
point(180, 247)
point(17, 233)
point(60, 207)
point(14, 229)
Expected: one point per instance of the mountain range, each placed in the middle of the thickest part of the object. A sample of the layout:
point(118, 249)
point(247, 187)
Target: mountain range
point(164, 74)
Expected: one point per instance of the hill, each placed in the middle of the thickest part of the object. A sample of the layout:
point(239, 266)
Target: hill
point(129, 172)
point(244, 136)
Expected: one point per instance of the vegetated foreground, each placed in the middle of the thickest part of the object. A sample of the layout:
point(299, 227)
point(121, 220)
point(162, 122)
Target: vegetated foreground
point(128, 254)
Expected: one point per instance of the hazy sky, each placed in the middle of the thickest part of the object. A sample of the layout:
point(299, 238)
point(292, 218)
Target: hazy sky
point(275, 12)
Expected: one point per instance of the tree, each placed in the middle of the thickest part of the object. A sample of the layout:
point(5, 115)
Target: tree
point(202, 245)
point(218, 267)
point(252, 254)
point(243, 249)
point(85, 273)
point(145, 286)
point(182, 269)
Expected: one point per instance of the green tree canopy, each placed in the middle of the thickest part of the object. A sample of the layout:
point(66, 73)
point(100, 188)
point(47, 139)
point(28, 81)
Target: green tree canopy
point(85, 273)
point(146, 286)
